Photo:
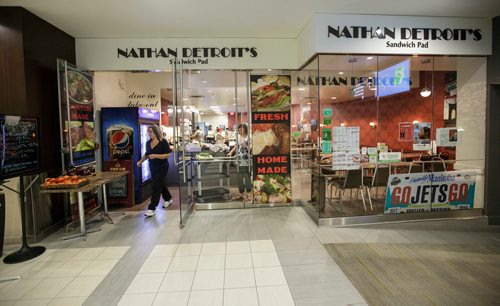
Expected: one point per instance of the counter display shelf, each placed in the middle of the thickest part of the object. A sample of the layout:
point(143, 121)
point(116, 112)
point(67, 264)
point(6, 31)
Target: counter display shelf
point(99, 179)
point(203, 175)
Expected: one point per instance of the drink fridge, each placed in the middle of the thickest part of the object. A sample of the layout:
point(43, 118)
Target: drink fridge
point(124, 133)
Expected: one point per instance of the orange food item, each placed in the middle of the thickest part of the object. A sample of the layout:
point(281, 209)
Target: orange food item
point(74, 177)
point(66, 177)
point(60, 180)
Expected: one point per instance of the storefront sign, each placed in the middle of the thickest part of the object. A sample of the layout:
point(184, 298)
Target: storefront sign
point(190, 53)
point(271, 138)
point(419, 192)
point(337, 33)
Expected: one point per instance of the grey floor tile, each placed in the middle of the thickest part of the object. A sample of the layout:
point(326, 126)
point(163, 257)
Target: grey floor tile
point(106, 300)
point(292, 258)
point(340, 291)
point(315, 273)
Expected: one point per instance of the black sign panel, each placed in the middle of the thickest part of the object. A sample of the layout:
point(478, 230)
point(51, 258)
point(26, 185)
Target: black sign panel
point(19, 147)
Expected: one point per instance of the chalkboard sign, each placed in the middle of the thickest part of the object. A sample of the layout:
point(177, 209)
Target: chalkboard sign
point(19, 145)
point(118, 188)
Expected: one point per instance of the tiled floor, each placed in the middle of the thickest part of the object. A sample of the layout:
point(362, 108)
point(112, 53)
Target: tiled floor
point(272, 256)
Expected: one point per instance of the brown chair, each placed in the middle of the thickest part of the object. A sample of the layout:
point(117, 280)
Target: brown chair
point(438, 165)
point(426, 162)
point(352, 180)
point(379, 179)
point(416, 167)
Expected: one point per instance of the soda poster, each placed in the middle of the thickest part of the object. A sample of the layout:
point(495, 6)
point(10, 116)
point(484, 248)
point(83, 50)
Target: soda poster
point(77, 112)
point(405, 129)
point(118, 133)
point(271, 138)
point(420, 192)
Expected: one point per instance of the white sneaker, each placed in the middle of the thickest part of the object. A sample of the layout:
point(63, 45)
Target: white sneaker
point(149, 213)
point(167, 204)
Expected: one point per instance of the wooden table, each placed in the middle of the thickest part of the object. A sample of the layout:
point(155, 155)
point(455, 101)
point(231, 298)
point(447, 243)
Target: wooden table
point(99, 179)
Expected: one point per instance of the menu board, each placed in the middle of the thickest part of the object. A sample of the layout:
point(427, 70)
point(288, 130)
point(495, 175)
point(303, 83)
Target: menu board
point(346, 138)
point(18, 145)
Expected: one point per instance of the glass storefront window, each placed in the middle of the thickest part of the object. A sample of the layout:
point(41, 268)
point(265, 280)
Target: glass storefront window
point(429, 111)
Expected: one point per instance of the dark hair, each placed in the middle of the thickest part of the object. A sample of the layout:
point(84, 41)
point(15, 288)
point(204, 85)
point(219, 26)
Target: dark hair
point(244, 125)
point(156, 130)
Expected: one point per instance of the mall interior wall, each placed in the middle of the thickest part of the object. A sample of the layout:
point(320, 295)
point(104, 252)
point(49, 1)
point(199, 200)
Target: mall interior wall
point(492, 193)
point(29, 48)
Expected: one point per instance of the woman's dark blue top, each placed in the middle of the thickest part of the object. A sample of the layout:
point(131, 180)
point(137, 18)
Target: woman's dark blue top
point(163, 147)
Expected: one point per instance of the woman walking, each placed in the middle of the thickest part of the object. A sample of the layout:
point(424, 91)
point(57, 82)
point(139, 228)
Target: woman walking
point(157, 151)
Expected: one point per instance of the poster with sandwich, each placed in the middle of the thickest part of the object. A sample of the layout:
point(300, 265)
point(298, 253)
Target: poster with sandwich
point(270, 93)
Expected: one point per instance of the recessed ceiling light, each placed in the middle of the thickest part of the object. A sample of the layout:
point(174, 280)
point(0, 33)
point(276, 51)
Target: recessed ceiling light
point(309, 103)
point(302, 88)
point(234, 103)
point(341, 72)
point(202, 113)
point(369, 57)
point(204, 82)
point(334, 98)
point(185, 99)
point(210, 90)
point(269, 70)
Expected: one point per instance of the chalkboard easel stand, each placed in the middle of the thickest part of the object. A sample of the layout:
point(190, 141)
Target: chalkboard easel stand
point(25, 252)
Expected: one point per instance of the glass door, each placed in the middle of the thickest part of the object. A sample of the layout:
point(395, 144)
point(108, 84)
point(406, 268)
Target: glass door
point(182, 131)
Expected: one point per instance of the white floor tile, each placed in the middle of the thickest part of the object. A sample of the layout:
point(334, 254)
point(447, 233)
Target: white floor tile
point(60, 255)
point(183, 263)
point(234, 247)
point(40, 302)
point(156, 265)
point(87, 254)
point(113, 252)
point(145, 283)
point(14, 290)
point(213, 248)
point(99, 267)
point(207, 280)
point(262, 246)
point(42, 269)
point(275, 296)
point(81, 286)
point(172, 298)
point(235, 261)
point(239, 278)
point(188, 249)
point(164, 250)
point(177, 281)
point(71, 269)
point(211, 262)
point(48, 288)
point(269, 276)
point(137, 299)
point(241, 297)
point(72, 301)
point(206, 298)
point(265, 259)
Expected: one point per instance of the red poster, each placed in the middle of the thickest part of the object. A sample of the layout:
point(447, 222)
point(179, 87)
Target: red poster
point(271, 138)
point(405, 129)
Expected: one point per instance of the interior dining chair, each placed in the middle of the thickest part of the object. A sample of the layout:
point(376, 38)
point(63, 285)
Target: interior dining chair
point(416, 167)
point(379, 179)
point(438, 165)
point(352, 180)
point(426, 162)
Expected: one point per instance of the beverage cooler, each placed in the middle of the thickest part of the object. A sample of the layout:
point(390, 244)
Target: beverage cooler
point(124, 133)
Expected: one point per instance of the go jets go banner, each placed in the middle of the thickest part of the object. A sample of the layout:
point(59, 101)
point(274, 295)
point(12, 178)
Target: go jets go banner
point(419, 192)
